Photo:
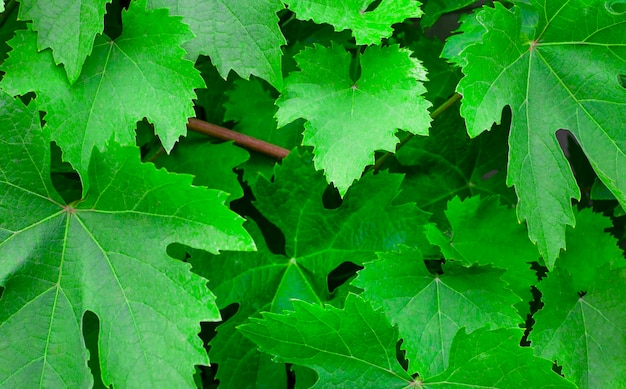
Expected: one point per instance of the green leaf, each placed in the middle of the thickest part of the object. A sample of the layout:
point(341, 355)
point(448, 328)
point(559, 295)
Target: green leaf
point(581, 325)
point(67, 27)
point(253, 108)
point(494, 359)
point(368, 27)
point(554, 72)
point(476, 221)
point(435, 8)
point(190, 156)
point(447, 164)
point(142, 72)
point(239, 35)
point(349, 119)
point(317, 240)
point(357, 341)
point(429, 309)
point(104, 254)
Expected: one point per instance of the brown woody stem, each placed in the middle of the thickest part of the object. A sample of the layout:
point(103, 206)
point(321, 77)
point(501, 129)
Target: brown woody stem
point(246, 141)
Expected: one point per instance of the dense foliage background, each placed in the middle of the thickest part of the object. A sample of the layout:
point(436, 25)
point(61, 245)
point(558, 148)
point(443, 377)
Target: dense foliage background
point(430, 195)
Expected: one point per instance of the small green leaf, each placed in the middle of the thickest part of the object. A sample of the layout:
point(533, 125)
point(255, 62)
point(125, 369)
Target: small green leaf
point(190, 156)
point(67, 27)
point(476, 221)
point(357, 341)
point(368, 27)
point(583, 327)
point(350, 119)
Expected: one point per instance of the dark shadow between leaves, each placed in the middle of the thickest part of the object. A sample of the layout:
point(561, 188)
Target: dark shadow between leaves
point(91, 330)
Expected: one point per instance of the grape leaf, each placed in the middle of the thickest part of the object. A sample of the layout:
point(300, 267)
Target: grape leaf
point(429, 309)
point(62, 260)
point(253, 109)
point(239, 35)
point(476, 221)
point(142, 72)
point(191, 156)
point(355, 344)
point(521, 64)
point(581, 325)
point(494, 359)
point(68, 27)
point(433, 9)
point(317, 240)
point(348, 120)
point(447, 164)
point(368, 27)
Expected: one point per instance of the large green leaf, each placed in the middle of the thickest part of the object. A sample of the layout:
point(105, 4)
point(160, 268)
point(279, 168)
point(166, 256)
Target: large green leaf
point(368, 26)
point(429, 309)
point(141, 73)
point(350, 119)
point(317, 240)
point(554, 71)
point(106, 254)
point(356, 341)
point(494, 359)
point(239, 35)
point(68, 27)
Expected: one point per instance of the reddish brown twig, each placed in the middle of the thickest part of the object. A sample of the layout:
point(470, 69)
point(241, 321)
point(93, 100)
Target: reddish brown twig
point(246, 141)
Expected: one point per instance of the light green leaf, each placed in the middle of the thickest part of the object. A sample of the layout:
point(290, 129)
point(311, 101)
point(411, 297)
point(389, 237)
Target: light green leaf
point(368, 27)
point(494, 359)
point(554, 72)
point(357, 341)
point(142, 73)
point(68, 27)
point(350, 119)
point(430, 309)
point(105, 254)
point(239, 35)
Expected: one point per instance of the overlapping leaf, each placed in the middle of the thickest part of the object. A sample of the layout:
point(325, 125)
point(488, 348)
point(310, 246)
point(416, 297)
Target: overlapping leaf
point(476, 221)
point(253, 109)
point(368, 26)
point(317, 240)
point(358, 341)
point(554, 71)
point(212, 164)
point(447, 164)
point(430, 309)
point(239, 35)
point(142, 74)
point(105, 254)
point(493, 359)
point(435, 8)
point(581, 324)
point(68, 27)
point(350, 119)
